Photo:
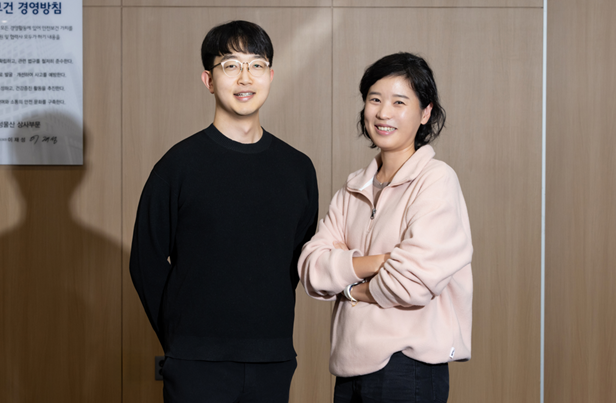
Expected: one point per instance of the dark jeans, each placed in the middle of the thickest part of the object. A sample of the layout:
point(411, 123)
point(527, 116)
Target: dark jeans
point(187, 381)
point(402, 380)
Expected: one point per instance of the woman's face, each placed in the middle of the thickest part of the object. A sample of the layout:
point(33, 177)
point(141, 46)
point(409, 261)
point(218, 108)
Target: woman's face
point(393, 114)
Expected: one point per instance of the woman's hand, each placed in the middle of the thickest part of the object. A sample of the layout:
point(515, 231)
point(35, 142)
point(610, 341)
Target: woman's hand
point(340, 245)
point(368, 266)
point(365, 266)
point(361, 292)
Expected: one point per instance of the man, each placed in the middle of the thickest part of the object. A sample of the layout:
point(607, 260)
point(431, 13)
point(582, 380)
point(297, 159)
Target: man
point(220, 225)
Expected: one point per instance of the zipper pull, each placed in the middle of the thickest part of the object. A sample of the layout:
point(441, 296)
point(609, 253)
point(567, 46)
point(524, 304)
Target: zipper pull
point(373, 213)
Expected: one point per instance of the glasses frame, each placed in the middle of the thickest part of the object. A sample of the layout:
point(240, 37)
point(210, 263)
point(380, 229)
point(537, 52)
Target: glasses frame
point(222, 65)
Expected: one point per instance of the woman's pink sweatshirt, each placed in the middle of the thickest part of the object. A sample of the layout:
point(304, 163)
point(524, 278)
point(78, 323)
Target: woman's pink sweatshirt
point(423, 292)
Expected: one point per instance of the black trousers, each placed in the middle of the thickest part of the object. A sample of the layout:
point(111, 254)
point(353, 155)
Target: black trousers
point(187, 381)
point(402, 380)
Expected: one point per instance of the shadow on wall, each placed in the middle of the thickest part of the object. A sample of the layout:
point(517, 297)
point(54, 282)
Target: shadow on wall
point(60, 297)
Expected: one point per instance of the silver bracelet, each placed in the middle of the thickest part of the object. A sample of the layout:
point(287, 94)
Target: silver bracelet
point(347, 292)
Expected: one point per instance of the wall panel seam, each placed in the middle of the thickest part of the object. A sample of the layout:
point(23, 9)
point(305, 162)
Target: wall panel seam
point(543, 195)
point(123, 244)
point(331, 137)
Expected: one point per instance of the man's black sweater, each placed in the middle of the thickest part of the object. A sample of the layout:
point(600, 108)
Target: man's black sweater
point(219, 228)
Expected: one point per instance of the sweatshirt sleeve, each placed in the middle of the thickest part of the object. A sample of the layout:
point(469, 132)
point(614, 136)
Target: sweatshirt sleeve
point(324, 270)
point(153, 238)
point(435, 246)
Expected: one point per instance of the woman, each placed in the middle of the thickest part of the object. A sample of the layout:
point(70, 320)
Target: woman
point(394, 250)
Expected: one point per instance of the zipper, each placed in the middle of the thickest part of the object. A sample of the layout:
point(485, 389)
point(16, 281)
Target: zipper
point(372, 215)
point(369, 229)
point(371, 223)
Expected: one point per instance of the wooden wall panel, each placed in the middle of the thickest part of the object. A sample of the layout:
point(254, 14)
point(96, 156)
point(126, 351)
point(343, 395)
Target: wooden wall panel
point(164, 101)
point(227, 3)
point(440, 3)
point(61, 262)
point(580, 360)
point(101, 3)
point(60, 227)
point(487, 64)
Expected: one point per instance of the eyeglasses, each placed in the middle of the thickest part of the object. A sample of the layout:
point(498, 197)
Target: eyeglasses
point(233, 68)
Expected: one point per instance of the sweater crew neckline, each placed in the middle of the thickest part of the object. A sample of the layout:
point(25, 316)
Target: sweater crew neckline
point(252, 148)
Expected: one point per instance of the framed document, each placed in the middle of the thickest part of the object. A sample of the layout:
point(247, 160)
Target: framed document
point(41, 83)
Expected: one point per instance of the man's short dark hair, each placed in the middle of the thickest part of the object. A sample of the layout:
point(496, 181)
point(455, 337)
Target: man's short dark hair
point(420, 78)
point(236, 36)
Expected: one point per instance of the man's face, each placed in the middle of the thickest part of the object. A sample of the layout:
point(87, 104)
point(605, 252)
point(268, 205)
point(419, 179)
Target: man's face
point(242, 95)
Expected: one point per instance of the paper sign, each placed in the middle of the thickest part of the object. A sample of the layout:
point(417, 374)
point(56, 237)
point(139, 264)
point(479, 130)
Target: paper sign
point(41, 83)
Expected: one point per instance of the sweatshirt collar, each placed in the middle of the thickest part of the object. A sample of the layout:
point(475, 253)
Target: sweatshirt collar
point(407, 172)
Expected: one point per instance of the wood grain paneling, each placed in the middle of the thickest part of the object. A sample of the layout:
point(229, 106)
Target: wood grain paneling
point(580, 360)
point(164, 101)
point(101, 3)
point(61, 262)
point(487, 64)
point(228, 3)
point(440, 3)
point(63, 295)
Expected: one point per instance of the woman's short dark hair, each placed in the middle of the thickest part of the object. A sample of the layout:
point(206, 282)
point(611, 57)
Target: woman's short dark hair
point(236, 36)
point(420, 77)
